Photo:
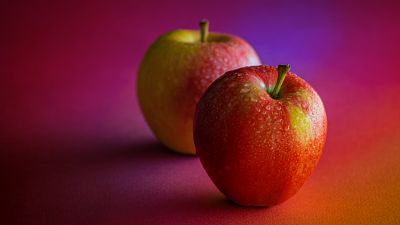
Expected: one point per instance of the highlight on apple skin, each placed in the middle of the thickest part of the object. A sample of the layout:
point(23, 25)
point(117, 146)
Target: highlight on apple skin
point(259, 132)
point(175, 72)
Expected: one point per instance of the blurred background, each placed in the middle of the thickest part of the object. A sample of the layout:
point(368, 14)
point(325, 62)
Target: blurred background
point(75, 149)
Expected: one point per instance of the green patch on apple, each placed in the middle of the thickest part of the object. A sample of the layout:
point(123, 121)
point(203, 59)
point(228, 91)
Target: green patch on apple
point(300, 122)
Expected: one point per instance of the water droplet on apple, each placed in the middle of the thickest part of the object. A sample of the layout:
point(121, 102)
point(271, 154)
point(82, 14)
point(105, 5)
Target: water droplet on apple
point(244, 90)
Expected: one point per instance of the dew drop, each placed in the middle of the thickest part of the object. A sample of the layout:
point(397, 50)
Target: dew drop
point(244, 90)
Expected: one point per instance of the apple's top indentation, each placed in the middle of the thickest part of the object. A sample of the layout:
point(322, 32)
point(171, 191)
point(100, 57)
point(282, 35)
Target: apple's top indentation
point(193, 37)
point(197, 37)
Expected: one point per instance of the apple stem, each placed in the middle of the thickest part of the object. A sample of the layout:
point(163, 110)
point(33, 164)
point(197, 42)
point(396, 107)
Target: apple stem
point(203, 30)
point(282, 71)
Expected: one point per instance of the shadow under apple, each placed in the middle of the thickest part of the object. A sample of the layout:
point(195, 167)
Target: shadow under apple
point(120, 183)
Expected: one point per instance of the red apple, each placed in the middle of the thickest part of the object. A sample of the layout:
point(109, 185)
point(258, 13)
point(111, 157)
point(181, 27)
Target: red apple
point(259, 135)
point(176, 71)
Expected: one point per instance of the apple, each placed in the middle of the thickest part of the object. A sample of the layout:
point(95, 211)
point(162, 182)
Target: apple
point(175, 72)
point(259, 132)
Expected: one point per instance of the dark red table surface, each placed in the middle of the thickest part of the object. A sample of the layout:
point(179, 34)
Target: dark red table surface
point(75, 148)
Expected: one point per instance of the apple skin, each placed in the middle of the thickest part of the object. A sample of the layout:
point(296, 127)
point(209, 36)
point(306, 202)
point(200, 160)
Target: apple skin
point(174, 74)
point(258, 150)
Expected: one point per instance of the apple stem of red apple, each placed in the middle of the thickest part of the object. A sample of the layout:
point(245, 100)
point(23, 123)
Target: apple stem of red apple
point(282, 71)
point(203, 30)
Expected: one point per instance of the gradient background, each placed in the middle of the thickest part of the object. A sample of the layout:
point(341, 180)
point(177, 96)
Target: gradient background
point(75, 148)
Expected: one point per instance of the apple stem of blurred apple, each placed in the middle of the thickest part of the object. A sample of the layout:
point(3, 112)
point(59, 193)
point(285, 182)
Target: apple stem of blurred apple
point(282, 71)
point(203, 30)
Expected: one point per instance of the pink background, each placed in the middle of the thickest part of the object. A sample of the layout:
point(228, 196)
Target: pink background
point(76, 150)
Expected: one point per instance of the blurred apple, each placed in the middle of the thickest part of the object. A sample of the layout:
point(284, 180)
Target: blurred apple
point(176, 71)
point(259, 133)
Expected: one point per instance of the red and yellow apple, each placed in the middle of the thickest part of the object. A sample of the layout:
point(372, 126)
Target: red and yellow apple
point(259, 133)
point(176, 71)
